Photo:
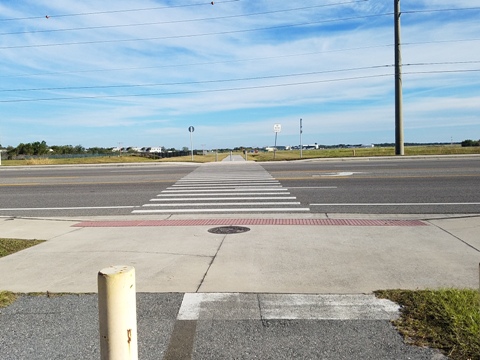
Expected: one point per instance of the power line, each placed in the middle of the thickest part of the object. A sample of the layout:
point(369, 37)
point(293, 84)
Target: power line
point(439, 41)
point(198, 82)
point(231, 89)
point(442, 71)
point(245, 78)
point(242, 60)
point(199, 63)
point(184, 21)
point(194, 91)
point(195, 35)
point(438, 10)
point(118, 11)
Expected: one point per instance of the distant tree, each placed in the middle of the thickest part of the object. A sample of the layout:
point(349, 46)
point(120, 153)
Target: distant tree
point(185, 148)
point(40, 148)
point(62, 149)
point(24, 149)
point(79, 149)
point(466, 143)
point(99, 150)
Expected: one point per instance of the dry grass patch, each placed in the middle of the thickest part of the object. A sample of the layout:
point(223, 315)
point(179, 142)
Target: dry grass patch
point(6, 298)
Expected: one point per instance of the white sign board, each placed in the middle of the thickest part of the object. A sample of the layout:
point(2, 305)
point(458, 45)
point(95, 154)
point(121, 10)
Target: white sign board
point(277, 128)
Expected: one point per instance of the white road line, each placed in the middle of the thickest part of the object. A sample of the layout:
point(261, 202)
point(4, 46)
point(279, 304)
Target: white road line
point(244, 187)
point(226, 204)
point(221, 178)
point(71, 208)
point(225, 178)
point(224, 184)
point(229, 198)
point(313, 187)
point(399, 204)
point(223, 194)
point(221, 210)
point(226, 190)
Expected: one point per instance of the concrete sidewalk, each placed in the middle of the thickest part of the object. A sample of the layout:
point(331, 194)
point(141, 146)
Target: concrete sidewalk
point(293, 286)
point(288, 257)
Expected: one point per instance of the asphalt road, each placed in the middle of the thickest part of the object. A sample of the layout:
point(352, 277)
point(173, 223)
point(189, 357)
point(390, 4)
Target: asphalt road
point(373, 186)
point(393, 186)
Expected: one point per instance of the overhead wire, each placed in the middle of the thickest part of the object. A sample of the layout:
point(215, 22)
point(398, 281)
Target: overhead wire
point(199, 82)
point(185, 20)
point(222, 33)
point(438, 10)
point(193, 91)
point(83, 97)
point(118, 11)
point(244, 78)
point(228, 32)
point(198, 63)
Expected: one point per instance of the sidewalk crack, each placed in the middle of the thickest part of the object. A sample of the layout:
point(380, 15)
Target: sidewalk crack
point(262, 319)
point(456, 237)
point(210, 265)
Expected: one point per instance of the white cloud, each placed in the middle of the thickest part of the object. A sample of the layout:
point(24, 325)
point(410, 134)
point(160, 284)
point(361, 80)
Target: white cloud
point(194, 74)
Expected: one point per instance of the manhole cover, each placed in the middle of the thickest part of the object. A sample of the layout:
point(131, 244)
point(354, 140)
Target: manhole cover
point(228, 230)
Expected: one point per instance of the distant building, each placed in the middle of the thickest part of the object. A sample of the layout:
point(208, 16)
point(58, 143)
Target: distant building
point(311, 147)
point(154, 149)
point(273, 148)
point(133, 148)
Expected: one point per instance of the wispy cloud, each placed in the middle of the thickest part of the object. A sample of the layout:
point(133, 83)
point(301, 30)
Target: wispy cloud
point(97, 75)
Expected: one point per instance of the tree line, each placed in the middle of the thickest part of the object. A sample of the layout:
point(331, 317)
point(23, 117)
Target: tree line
point(40, 148)
point(466, 143)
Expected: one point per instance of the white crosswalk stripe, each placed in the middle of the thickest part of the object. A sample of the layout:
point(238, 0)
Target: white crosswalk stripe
point(216, 188)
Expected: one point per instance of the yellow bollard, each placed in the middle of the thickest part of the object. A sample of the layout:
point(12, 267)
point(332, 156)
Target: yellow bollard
point(117, 313)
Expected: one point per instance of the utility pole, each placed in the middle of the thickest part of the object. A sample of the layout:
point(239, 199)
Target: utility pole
point(399, 149)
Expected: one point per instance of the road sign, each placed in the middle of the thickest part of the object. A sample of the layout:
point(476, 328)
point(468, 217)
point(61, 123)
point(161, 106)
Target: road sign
point(191, 129)
point(277, 128)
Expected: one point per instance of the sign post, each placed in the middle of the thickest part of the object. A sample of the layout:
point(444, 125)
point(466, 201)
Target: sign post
point(301, 145)
point(276, 128)
point(191, 129)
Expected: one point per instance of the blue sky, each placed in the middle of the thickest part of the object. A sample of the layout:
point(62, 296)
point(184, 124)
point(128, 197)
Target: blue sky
point(140, 73)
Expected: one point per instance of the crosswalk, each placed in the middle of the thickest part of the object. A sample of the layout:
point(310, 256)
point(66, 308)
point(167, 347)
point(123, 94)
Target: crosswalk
point(224, 188)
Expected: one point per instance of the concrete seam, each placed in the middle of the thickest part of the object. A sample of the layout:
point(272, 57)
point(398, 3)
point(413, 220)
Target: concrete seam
point(210, 265)
point(456, 237)
point(262, 319)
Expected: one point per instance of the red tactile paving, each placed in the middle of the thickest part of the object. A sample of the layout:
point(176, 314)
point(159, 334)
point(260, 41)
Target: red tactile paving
point(217, 222)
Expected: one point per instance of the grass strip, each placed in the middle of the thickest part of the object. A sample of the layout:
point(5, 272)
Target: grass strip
point(10, 246)
point(281, 155)
point(445, 319)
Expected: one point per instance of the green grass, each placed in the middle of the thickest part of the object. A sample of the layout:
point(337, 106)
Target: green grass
point(10, 246)
point(446, 319)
